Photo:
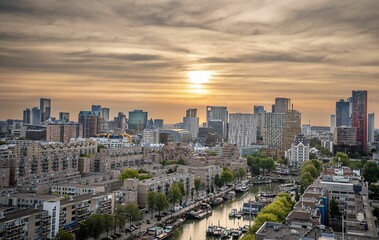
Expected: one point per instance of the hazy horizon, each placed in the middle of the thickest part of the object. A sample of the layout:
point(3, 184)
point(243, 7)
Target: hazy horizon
point(129, 55)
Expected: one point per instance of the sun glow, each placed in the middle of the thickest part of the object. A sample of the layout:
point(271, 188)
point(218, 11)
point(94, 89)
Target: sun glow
point(199, 77)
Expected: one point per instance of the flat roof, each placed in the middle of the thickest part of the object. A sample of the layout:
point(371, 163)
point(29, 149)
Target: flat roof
point(20, 213)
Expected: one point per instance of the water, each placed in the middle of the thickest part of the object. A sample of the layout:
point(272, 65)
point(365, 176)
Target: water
point(195, 229)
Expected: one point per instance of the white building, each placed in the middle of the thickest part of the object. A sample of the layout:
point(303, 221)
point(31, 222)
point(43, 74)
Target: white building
point(299, 152)
point(192, 125)
point(371, 128)
point(150, 134)
point(242, 129)
point(332, 123)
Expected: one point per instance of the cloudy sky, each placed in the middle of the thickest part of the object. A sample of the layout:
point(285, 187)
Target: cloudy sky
point(137, 55)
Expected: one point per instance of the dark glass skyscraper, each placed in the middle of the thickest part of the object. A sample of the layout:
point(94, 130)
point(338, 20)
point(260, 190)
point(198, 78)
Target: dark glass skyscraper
point(359, 117)
point(342, 113)
point(137, 120)
point(45, 108)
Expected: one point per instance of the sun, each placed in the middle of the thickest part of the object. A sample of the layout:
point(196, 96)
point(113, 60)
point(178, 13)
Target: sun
point(199, 77)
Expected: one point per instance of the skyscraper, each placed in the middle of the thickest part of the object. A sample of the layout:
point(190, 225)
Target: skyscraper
point(242, 129)
point(159, 123)
point(191, 122)
point(282, 105)
point(371, 128)
point(332, 123)
point(218, 113)
point(359, 117)
point(291, 127)
point(104, 113)
point(27, 116)
point(258, 109)
point(150, 134)
point(272, 130)
point(91, 123)
point(137, 120)
point(36, 116)
point(96, 108)
point(342, 113)
point(64, 117)
point(45, 108)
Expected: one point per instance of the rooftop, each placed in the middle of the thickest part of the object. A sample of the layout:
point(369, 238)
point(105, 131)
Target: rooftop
point(20, 213)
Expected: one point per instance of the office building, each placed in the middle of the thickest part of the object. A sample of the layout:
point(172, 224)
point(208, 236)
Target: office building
point(150, 134)
point(27, 116)
point(159, 123)
point(63, 132)
point(258, 109)
point(45, 108)
point(191, 122)
point(371, 128)
point(36, 116)
point(242, 129)
point(96, 108)
point(332, 123)
point(359, 118)
point(174, 135)
point(137, 120)
point(282, 105)
point(120, 121)
point(64, 117)
point(218, 126)
point(342, 113)
point(344, 140)
point(218, 113)
point(191, 112)
point(91, 123)
point(104, 113)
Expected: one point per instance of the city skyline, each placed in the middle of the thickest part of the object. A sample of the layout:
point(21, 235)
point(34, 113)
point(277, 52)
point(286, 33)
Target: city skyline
point(165, 57)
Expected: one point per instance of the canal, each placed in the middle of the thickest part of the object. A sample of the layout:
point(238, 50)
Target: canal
point(196, 229)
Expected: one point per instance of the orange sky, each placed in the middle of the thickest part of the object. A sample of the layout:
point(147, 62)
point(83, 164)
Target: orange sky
point(136, 55)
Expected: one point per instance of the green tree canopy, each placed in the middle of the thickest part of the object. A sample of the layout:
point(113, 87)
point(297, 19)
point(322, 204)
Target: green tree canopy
point(64, 235)
point(108, 222)
point(174, 194)
point(132, 210)
point(161, 202)
point(197, 185)
point(306, 179)
point(341, 158)
point(95, 225)
point(151, 200)
point(311, 169)
point(227, 175)
point(371, 172)
point(218, 181)
point(334, 209)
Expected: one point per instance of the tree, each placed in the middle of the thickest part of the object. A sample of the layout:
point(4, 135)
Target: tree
point(132, 210)
point(218, 181)
point(161, 202)
point(108, 223)
point(311, 169)
point(133, 173)
point(121, 216)
point(341, 158)
point(174, 194)
point(151, 200)
point(334, 209)
point(82, 233)
point(240, 174)
point(95, 225)
point(182, 188)
point(197, 185)
point(226, 175)
point(306, 179)
point(63, 235)
point(267, 164)
point(371, 172)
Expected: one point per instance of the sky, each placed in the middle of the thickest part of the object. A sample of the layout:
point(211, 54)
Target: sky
point(139, 54)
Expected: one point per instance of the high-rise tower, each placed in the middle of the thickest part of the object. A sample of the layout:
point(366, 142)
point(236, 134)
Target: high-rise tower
point(359, 117)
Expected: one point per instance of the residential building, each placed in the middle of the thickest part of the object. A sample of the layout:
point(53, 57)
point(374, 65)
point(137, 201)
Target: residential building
point(342, 113)
point(91, 123)
point(45, 108)
point(137, 120)
point(191, 112)
point(359, 118)
point(63, 132)
point(242, 129)
point(104, 113)
point(272, 134)
point(220, 114)
point(258, 109)
point(291, 127)
point(27, 116)
point(36, 116)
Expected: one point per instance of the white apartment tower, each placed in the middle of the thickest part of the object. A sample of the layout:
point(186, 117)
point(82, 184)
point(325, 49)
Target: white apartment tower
point(242, 129)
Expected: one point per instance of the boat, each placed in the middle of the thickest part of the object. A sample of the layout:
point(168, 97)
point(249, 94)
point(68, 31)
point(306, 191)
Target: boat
point(204, 205)
point(245, 229)
point(267, 194)
point(216, 202)
point(236, 233)
point(288, 187)
point(199, 214)
point(230, 195)
point(252, 208)
point(233, 212)
point(167, 232)
point(238, 215)
point(210, 230)
point(156, 231)
point(226, 233)
point(217, 231)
